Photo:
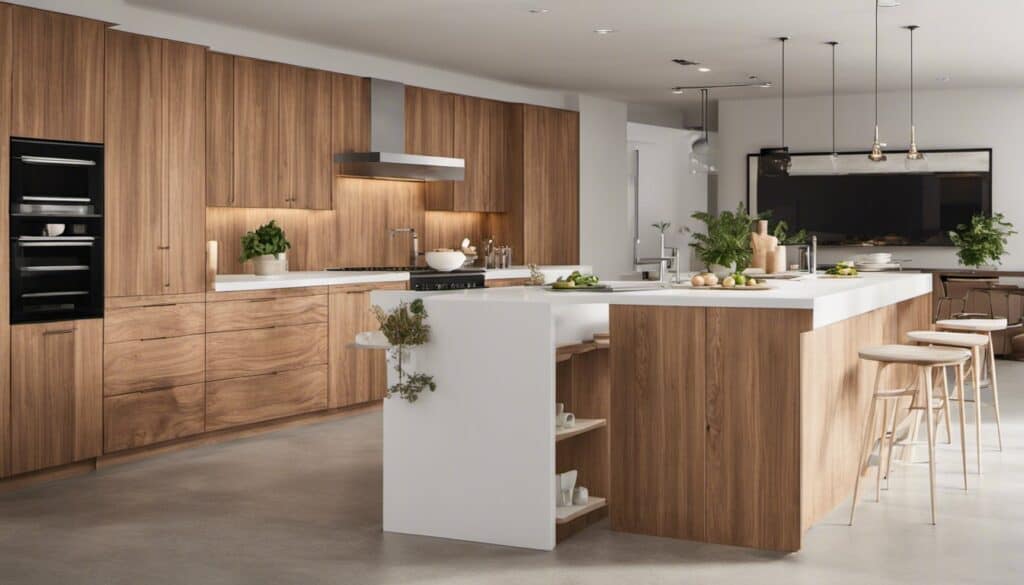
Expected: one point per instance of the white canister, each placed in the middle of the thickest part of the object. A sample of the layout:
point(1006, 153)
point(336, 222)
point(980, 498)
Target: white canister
point(580, 496)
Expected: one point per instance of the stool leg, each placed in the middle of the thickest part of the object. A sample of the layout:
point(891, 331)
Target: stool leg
point(995, 387)
point(866, 451)
point(931, 437)
point(976, 380)
point(945, 405)
point(881, 450)
point(963, 425)
point(892, 439)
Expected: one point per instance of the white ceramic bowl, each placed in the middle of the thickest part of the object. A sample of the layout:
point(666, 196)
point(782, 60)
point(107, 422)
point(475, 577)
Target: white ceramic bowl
point(445, 261)
point(876, 258)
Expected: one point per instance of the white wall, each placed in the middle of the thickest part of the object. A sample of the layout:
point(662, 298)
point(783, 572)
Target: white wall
point(605, 228)
point(945, 119)
point(668, 191)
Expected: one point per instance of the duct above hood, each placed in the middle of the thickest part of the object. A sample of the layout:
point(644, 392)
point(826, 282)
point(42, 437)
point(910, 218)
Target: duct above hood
point(386, 158)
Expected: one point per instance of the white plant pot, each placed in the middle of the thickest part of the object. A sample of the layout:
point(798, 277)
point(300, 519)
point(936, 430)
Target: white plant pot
point(722, 271)
point(270, 265)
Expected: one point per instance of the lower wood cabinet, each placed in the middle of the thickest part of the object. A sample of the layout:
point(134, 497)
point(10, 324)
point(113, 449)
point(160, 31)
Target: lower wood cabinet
point(56, 393)
point(143, 418)
point(235, 354)
point(131, 366)
point(253, 399)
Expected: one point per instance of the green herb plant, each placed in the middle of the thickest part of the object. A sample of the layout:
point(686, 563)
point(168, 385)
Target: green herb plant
point(404, 327)
point(781, 233)
point(727, 238)
point(661, 226)
point(982, 241)
point(267, 239)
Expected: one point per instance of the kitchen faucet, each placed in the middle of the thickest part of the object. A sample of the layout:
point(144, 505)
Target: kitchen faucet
point(414, 251)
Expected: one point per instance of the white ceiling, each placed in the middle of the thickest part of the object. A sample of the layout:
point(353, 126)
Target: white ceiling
point(972, 43)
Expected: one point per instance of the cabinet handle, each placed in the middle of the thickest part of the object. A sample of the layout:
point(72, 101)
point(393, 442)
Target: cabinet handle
point(260, 300)
point(58, 331)
point(163, 247)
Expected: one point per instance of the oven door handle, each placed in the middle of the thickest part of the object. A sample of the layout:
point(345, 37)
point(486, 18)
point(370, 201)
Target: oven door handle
point(52, 244)
point(56, 160)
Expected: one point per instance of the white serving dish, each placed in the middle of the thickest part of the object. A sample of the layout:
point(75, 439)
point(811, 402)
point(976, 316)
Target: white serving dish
point(875, 258)
point(445, 261)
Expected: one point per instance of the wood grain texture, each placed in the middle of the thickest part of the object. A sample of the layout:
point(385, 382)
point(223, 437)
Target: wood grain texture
point(265, 295)
point(57, 76)
point(304, 153)
point(356, 376)
point(144, 418)
point(256, 133)
point(350, 113)
point(752, 461)
point(153, 322)
point(550, 186)
point(184, 180)
point(508, 228)
point(259, 314)
point(112, 303)
point(481, 128)
point(133, 366)
point(249, 400)
point(220, 129)
point(657, 421)
point(5, 308)
point(135, 166)
point(56, 394)
point(503, 282)
point(264, 351)
point(430, 129)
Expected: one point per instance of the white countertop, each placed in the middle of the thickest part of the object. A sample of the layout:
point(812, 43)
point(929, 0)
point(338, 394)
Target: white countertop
point(240, 282)
point(831, 300)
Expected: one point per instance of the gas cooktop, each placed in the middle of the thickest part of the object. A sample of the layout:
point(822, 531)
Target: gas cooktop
point(424, 278)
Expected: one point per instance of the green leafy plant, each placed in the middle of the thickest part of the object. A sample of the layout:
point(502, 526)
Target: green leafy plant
point(661, 226)
point(983, 240)
point(781, 233)
point(405, 327)
point(267, 239)
point(727, 238)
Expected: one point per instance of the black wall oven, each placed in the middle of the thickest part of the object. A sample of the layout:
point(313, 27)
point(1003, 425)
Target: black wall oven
point(56, 230)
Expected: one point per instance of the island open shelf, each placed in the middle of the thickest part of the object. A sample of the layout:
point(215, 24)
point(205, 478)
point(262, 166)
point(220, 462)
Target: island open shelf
point(567, 514)
point(582, 426)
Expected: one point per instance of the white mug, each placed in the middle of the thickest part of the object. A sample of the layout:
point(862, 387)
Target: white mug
point(565, 419)
point(580, 496)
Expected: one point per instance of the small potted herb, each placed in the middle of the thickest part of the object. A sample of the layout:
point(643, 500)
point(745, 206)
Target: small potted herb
point(983, 240)
point(267, 248)
point(404, 327)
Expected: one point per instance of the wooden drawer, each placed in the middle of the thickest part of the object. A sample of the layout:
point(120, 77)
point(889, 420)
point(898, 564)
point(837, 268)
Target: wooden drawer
point(234, 354)
point(267, 312)
point(144, 418)
point(253, 399)
point(503, 282)
point(154, 322)
point(131, 366)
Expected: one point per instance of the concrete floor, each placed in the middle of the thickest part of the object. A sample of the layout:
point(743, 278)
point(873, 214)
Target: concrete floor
point(304, 506)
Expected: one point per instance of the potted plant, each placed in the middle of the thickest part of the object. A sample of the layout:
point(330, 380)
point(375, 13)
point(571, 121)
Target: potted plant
point(983, 240)
point(267, 248)
point(404, 327)
point(725, 247)
point(777, 263)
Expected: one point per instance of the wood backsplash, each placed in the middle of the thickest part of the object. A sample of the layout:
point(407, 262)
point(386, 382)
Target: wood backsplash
point(355, 232)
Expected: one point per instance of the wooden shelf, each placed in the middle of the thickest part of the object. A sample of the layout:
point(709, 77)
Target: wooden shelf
point(566, 352)
point(566, 514)
point(582, 425)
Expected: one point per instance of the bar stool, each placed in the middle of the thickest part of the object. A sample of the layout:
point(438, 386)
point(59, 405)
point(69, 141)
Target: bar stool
point(975, 344)
point(987, 375)
point(925, 359)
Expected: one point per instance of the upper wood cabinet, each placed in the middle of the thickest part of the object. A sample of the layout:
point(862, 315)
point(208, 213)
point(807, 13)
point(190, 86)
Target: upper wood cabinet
point(57, 76)
point(350, 113)
point(430, 130)
point(551, 184)
point(481, 138)
point(155, 157)
point(57, 393)
point(269, 134)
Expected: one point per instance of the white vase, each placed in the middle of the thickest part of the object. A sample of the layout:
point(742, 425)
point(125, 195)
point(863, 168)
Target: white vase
point(270, 264)
point(722, 271)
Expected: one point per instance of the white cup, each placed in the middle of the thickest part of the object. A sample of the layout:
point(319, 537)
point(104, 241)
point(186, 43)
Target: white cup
point(580, 496)
point(565, 419)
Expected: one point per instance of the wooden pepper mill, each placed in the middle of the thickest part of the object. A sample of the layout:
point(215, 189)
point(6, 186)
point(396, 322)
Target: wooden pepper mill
point(763, 245)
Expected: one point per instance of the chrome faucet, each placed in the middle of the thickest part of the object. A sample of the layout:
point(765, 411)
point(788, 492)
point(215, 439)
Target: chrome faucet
point(809, 255)
point(414, 250)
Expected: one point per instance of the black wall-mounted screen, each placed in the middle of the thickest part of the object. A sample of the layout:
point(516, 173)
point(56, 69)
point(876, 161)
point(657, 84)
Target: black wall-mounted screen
point(877, 209)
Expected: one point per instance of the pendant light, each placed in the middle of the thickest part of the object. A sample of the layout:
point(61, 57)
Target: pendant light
point(775, 161)
point(702, 154)
point(915, 159)
point(834, 157)
point(876, 148)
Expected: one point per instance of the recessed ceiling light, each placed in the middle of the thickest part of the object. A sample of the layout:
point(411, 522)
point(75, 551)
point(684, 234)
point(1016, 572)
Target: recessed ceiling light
point(704, 69)
point(539, 11)
point(605, 30)
point(677, 90)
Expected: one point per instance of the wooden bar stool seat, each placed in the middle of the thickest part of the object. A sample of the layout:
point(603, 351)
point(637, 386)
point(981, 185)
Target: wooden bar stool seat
point(985, 372)
point(925, 359)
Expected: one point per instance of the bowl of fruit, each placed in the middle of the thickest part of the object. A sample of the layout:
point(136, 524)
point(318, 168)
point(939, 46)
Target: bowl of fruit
point(737, 281)
point(578, 282)
point(845, 269)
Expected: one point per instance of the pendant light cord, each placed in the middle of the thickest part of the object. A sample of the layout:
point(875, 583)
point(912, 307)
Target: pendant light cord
point(783, 39)
point(833, 43)
point(876, 64)
point(912, 75)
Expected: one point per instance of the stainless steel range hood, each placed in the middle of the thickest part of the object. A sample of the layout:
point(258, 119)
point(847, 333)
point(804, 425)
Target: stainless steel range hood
point(386, 158)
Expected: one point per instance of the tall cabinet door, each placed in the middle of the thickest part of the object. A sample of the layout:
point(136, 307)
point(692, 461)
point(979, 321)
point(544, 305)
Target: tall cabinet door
point(134, 165)
point(256, 133)
point(304, 153)
point(56, 393)
point(58, 76)
point(430, 130)
point(184, 137)
point(5, 337)
point(481, 134)
point(550, 185)
point(356, 375)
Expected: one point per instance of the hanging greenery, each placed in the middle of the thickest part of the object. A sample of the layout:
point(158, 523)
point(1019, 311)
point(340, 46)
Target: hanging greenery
point(404, 327)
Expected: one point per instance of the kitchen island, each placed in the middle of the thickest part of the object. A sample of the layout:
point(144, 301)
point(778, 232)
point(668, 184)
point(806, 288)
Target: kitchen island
point(730, 417)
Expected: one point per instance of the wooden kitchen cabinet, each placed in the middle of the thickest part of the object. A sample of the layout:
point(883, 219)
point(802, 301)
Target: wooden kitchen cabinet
point(5, 330)
point(56, 393)
point(356, 375)
point(304, 151)
point(256, 133)
point(481, 138)
point(550, 186)
point(143, 418)
point(430, 130)
point(155, 159)
point(57, 90)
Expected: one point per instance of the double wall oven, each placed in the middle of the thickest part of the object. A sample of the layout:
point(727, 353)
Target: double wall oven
point(56, 229)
